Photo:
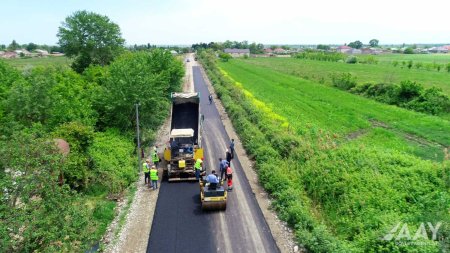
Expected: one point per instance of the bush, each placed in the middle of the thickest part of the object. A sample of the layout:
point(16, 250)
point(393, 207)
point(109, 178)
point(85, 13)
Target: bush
point(352, 59)
point(408, 50)
point(344, 81)
point(113, 161)
point(408, 90)
point(432, 101)
point(225, 56)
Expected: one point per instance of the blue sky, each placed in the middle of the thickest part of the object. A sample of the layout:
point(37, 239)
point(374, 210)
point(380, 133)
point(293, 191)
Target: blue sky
point(267, 22)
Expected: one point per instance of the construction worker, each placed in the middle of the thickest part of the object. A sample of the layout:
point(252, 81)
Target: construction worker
point(232, 148)
point(198, 167)
point(212, 180)
point(154, 177)
point(228, 157)
point(229, 178)
point(223, 164)
point(146, 169)
point(155, 156)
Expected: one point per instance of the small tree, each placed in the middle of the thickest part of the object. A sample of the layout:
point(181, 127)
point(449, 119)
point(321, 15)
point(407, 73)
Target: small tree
point(410, 64)
point(355, 44)
point(409, 50)
point(13, 46)
point(224, 56)
point(374, 42)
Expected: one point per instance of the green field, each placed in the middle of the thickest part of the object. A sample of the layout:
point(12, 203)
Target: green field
point(426, 58)
point(340, 112)
point(382, 72)
point(346, 169)
point(23, 63)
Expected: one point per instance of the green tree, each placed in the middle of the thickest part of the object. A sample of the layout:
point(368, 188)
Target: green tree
point(356, 44)
point(225, 56)
point(31, 46)
point(37, 214)
point(51, 96)
point(13, 46)
point(140, 77)
point(408, 50)
point(323, 47)
point(8, 75)
point(374, 43)
point(90, 38)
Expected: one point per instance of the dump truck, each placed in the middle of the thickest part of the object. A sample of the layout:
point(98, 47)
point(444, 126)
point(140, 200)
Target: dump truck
point(212, 197)
point(184, 145)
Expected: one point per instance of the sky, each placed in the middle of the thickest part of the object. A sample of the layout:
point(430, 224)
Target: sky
point(185, 22)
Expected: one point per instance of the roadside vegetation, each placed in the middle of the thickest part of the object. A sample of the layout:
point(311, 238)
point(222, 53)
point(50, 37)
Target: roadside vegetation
point(67, 144)
point(343, 170)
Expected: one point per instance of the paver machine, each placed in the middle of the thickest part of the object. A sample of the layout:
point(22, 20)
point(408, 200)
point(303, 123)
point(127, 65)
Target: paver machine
point(184, 146)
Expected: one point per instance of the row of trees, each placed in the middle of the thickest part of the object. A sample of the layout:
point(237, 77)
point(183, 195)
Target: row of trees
point(30, 47)
point(42, 202)
point(255, 48)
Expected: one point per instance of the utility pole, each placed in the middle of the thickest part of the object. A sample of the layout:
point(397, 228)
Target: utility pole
point(138, 138)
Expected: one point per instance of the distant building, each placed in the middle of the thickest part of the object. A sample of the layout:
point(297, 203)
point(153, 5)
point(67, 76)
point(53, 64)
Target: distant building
point(441, 50)
point(22, 52)
point(9, 55)
point(41, 52)
point(279, 50)
point(344, 49)
point(234, 52)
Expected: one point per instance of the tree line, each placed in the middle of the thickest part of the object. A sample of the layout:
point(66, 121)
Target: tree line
point(31, 47)
point(255, 48)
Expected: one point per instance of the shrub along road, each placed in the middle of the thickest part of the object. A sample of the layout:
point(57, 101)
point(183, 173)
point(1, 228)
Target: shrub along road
point(179, 225)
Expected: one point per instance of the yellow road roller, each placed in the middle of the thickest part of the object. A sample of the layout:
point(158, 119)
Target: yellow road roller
point(212, 196)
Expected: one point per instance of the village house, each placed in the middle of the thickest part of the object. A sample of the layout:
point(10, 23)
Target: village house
point(41, 52)
point(344, 49)
point(9, 55)
point(234, 52)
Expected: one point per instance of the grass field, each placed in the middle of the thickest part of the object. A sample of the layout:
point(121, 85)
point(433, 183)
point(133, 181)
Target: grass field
point(340, 112)
point(426, 58)
point(39, 61)
point(368, 165)
point(382, 72)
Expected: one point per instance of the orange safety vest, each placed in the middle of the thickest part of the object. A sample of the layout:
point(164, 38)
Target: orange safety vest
point(229, 171)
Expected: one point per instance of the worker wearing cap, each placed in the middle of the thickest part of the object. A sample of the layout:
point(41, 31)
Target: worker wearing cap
point(146, 169)
point(155, 157)
point(154, 177)
point(198, 167)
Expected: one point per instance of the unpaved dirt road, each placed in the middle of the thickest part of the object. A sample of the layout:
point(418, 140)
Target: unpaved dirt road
point(179, 225)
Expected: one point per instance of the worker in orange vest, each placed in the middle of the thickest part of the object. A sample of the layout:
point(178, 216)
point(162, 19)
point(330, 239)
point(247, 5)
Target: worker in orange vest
point(229, 174)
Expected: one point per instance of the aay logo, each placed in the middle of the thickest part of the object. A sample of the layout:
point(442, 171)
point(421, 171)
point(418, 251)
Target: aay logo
point(421, 232)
